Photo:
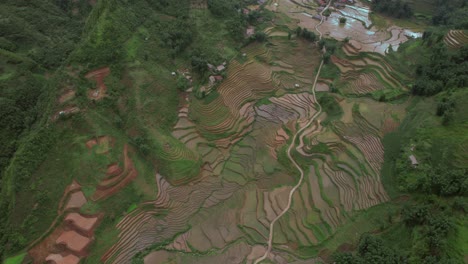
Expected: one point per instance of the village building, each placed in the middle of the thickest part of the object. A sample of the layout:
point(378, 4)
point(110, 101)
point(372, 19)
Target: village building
point(212, 79)
point(250, 31)
point(220, 68)
point(414, 161)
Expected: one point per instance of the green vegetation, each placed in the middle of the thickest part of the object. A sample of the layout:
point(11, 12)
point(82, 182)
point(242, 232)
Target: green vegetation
point(306, 34)
point(331, 107)
point(443, 70)
point(451, 13)
point(394, 8)
point(222, 161)
point(15, 260)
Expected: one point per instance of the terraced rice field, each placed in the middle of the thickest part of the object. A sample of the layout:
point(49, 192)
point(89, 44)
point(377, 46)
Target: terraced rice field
point(241, 135)
point(456, 38)
point(361, 75)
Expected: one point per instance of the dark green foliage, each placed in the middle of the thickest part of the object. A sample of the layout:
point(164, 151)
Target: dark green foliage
point(306, 34)
point(174, 8)
point(236, 27)
point(342, 20)
point(330, 47)
point(298, 31)
point(309, 35)
point(224, 7)
point(451, 13)
point(260, 36)
point(394, 8)
point(182, 83)
point(415, 214)
point(331, 107)
point(444, 70)
point(42, 31)
point(176, 35)
point(371, 250)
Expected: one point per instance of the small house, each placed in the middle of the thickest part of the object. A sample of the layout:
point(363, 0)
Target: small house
point(414, 161)
point(220, 68)
point(218, 78)
point(250, 31)
point(212, 79)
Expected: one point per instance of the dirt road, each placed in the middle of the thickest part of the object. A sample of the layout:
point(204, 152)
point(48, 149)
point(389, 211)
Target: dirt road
point(293, 141)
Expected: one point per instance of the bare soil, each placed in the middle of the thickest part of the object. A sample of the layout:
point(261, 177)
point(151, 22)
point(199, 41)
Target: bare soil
point(98, 75)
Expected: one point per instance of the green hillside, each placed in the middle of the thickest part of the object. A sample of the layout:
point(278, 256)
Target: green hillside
point(176, 131)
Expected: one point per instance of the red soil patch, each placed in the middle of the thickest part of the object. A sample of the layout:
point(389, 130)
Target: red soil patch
point(74, 242)
point(66, 95)
point(47, 246)
point(345, 247)
point(389, 125)
point(109, 186)
point(101, 88)
point(68, 242)
point(59, 259)
point(79, 222)
point(104, 143)
point(73, 187)
point(77, 199)
point(91, 143)
point(325, 255)
point(113, 170)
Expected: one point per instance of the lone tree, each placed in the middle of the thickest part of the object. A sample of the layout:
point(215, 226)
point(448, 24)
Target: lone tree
point(342, 20)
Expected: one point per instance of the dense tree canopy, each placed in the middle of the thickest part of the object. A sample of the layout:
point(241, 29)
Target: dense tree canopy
point(444, 70)
point(394, 8)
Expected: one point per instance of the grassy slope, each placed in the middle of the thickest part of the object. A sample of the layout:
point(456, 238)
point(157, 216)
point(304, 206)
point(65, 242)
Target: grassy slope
point(148, 109)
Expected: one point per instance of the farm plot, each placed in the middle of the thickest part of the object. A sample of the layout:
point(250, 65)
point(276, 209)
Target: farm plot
point(456, 38)
point(358, 26)
point(366, 74)
point(157, 221)
point(229, 115)
point(294, 62)
point(239, 132)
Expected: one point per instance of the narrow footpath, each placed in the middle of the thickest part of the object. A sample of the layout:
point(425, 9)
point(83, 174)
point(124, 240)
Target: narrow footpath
point(293, 141)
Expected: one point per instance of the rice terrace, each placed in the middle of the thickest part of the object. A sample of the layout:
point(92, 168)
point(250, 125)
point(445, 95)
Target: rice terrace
point(233, 131)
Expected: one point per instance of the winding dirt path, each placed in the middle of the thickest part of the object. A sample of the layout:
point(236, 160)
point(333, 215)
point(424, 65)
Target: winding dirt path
point(293, 190)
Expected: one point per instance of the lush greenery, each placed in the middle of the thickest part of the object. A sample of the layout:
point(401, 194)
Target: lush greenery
point(451, 13)
point(394, 8)
point(442, 70)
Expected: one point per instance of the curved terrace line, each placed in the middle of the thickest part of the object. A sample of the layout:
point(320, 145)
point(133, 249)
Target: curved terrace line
point(293, 190)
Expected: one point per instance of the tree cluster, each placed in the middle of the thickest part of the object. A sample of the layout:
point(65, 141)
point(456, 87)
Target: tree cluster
point(433, 225)
point(394, 8)
point(451, 13)
point(306, 34)
point(371, 249)
point(444, 70)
